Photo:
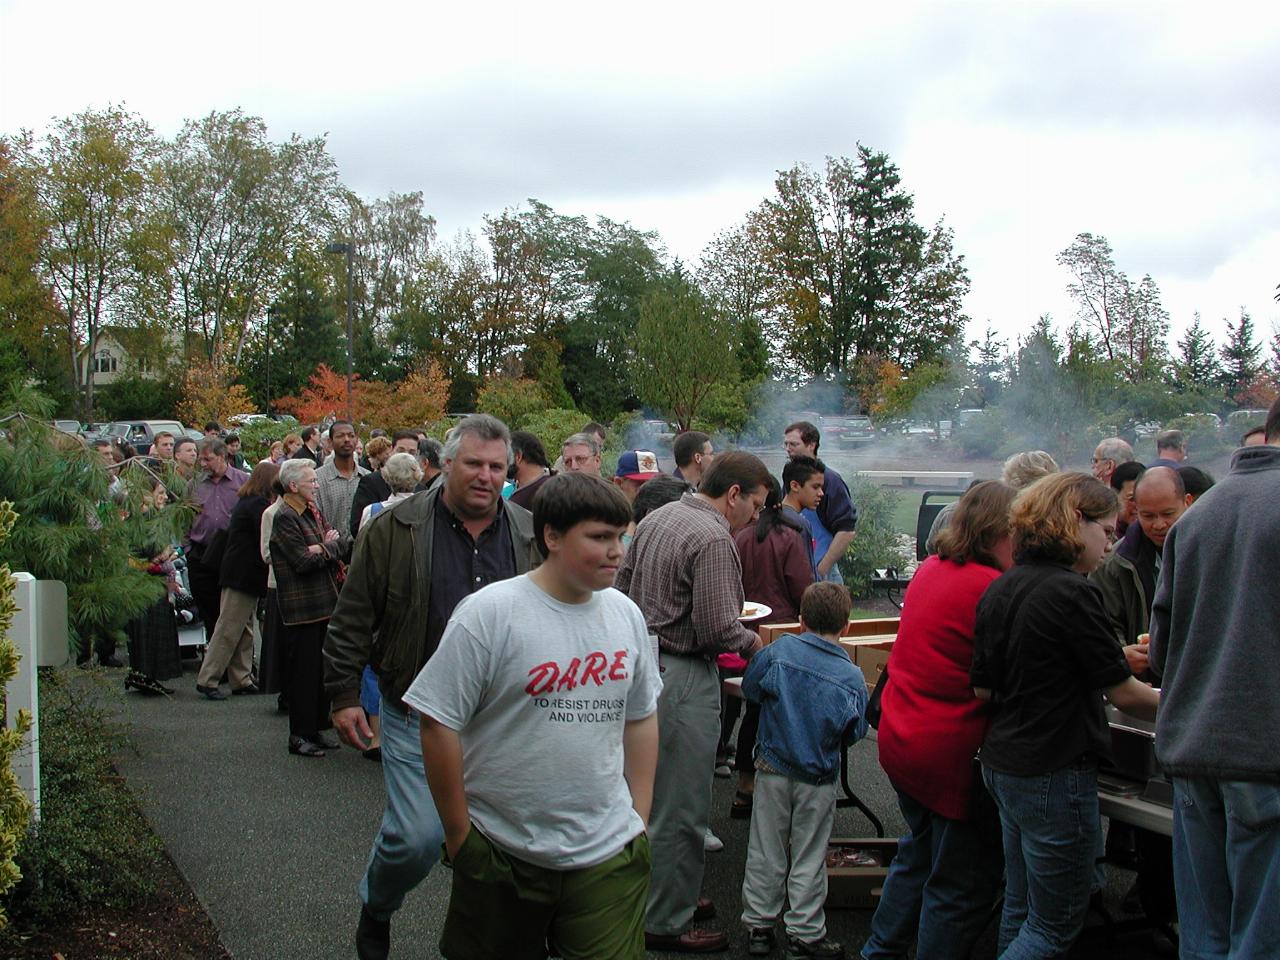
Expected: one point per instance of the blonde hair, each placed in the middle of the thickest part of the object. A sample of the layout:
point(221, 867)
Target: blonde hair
point(1023, 469)
point(1044, 519)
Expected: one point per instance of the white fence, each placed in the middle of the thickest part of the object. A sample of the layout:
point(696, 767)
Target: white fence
point(40, 634)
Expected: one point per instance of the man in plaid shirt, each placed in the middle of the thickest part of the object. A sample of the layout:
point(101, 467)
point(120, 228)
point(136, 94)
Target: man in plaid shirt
point(683, 571)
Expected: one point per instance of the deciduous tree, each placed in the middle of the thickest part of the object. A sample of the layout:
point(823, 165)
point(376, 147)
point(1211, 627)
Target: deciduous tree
point(851, 273)
point(684, 346)
point(238, 205)
point(104, 244)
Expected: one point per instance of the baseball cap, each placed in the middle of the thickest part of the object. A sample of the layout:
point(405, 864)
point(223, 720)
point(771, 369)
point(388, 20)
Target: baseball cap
point(638, 465)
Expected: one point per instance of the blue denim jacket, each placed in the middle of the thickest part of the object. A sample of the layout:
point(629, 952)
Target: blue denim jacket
point(813, 701)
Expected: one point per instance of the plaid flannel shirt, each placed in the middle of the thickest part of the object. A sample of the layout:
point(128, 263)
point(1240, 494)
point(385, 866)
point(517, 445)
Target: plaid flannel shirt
point(682, 570)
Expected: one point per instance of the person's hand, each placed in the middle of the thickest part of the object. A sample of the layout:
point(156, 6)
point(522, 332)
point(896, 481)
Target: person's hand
point(352, 727)
point(1137, 656)
point(331, 535)
point(315, 548)
point(453, 841)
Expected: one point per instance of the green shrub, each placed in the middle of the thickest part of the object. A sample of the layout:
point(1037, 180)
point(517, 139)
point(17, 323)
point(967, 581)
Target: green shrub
point(876, 544)
point(256, 438)
point(982, 436)
point(92, 845)
point(1204, 438)
point(552, 426)
point(134, 397)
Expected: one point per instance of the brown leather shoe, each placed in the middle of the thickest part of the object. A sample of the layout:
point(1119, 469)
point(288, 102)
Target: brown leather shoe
point(705, 910)
point(691, 941)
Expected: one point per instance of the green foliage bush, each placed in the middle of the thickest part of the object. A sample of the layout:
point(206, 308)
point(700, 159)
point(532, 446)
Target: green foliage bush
point(983, 435)
point(552, 426)
point(1204, 439)
point(133, 397)
point(876, 544)
point(92, 845)
point(256, 438)
point(511, 399)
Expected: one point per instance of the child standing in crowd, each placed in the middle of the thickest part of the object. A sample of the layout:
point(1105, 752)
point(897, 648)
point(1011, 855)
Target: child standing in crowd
point(540, 738)
point(812, 704)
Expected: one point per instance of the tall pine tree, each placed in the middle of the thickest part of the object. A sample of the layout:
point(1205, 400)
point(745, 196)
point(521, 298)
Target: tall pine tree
point(1241, 357)
point(1197, 367)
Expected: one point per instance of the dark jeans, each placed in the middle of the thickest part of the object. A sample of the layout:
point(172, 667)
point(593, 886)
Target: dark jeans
point(942, 883)
point(1050, 825)
point(305, 679)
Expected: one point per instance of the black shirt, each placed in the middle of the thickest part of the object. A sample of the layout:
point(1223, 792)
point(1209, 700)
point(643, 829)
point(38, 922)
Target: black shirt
point(1044, 644)
point(460, 565)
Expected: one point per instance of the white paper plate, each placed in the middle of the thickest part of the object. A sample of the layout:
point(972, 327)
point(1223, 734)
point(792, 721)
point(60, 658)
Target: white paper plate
point(755, 611)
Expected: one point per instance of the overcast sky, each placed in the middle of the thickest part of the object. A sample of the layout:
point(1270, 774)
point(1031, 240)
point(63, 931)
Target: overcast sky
point(1024, 123)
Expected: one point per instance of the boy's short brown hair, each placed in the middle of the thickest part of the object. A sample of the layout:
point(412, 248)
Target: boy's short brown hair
point(567, 499)
point(825, 607)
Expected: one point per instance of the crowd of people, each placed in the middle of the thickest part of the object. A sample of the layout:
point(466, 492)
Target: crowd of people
point(477, 612)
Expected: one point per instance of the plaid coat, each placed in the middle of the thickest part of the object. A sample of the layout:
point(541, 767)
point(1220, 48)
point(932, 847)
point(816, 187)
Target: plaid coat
point(305, 585)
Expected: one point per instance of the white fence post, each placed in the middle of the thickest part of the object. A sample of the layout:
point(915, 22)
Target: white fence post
point(22, 691)
point(40, 634)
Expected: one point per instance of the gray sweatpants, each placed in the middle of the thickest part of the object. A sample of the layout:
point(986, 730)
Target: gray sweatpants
point(688, 729)
point(790, 820)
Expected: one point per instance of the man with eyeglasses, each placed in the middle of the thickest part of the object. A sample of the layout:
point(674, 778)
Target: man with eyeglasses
point(1108, 455)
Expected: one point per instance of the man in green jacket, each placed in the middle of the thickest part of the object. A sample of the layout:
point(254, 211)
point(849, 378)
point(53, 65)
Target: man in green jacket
point(413, 563)
point(1128, 577)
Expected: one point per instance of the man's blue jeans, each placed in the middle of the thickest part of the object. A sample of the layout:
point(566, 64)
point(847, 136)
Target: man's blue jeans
point(1226, 866)
point(408, 842)
point(941, 885)
point(1050, 825)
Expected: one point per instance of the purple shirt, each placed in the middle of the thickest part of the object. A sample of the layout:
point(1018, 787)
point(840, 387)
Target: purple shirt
point(215, 500)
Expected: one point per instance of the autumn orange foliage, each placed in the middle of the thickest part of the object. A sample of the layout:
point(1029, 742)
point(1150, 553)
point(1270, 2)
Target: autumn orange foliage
point(208, 393)
point(417, 399)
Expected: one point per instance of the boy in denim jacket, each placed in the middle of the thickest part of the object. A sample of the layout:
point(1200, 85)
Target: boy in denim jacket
point(812, 703)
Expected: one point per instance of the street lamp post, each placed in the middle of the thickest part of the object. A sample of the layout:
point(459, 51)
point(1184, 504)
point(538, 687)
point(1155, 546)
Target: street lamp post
point(349, 249)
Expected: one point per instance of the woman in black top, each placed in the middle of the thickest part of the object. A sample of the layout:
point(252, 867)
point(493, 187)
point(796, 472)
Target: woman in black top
point(1045, 654)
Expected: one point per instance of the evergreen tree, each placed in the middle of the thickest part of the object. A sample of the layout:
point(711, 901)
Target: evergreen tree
point(1197, 365)
point(1241, 357)
point(70, 528)
point(988, 366)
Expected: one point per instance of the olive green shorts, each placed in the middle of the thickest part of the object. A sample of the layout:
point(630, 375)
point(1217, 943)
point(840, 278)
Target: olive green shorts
point(503, 908)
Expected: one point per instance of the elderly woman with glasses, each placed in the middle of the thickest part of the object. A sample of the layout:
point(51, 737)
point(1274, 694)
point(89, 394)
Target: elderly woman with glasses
point(304, 556)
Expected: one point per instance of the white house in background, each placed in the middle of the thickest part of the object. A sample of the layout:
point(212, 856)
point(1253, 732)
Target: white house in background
point(112, 357)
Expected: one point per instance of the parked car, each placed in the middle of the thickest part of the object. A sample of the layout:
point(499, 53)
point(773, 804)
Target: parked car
point(847, 431)
point(661, 430)
point(1238, 421)
point(68, 426)
point(141, 433)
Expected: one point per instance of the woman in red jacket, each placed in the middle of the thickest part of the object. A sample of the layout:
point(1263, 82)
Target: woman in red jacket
point(947, 872)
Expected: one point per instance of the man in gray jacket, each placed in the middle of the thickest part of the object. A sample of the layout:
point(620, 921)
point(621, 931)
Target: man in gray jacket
point(1215, 641)
point(412, 565)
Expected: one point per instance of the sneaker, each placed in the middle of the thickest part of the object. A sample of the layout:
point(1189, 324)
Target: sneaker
point(711, 843)
point(760, 941)
point(722, 770)
point(826, 948)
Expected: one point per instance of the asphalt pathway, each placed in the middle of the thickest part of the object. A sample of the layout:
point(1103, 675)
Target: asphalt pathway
point(274, 845)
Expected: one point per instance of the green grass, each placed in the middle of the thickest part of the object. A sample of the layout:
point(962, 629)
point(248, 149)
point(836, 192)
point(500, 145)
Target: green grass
point(904, 512)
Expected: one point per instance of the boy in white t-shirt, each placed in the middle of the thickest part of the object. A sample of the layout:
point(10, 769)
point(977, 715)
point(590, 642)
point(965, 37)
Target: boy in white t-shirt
point(540, 739)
